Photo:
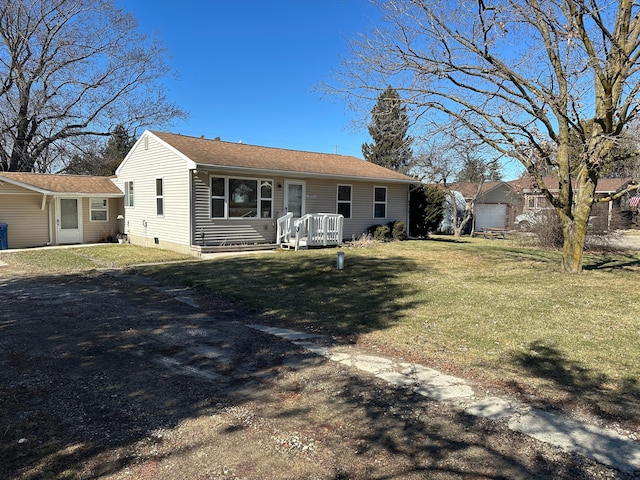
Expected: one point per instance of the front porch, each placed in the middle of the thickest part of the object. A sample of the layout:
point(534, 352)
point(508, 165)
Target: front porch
point(310, 230)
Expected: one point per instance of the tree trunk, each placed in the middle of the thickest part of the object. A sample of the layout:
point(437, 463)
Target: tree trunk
point(573, 249)
point(576, 221)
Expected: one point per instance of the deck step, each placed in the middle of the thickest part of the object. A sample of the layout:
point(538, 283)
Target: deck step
point(235, 248)
point(291, 245)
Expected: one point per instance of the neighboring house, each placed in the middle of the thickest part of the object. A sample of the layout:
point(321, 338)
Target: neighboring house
point(45, 209)
point(494, 204)
point(605, 216)
point(195, 195)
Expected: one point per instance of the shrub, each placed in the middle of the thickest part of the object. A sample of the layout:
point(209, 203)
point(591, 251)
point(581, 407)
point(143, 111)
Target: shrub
point(548, 232)
point(398, 230)
point(382, 233)
point(395, 230)
point(426, 210)
point(372, 229)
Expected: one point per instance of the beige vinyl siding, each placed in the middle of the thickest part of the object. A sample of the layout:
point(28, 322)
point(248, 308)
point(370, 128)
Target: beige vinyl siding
point(142, 223)
point(321, 196)
point(21, 210)
point(362, 207)
point(233, 231)
point(99, 231)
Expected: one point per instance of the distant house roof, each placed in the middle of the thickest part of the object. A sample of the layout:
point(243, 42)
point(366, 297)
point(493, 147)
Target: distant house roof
point(216, 153)
point(470, 189)
point(605, 185)
point(81, 185)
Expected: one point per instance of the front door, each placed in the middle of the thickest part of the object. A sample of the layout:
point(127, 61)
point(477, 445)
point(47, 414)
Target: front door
point(69, 220)
point(294, 196)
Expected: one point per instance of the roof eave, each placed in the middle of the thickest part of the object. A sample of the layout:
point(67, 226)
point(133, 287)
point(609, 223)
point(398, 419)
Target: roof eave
point(28, 186)
point(261, 171)
point(87, 195)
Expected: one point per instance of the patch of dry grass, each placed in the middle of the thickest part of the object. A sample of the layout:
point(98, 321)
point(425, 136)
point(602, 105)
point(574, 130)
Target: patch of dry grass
point(69, 260)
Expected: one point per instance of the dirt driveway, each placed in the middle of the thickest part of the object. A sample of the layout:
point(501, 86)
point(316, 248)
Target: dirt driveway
point(104, 378)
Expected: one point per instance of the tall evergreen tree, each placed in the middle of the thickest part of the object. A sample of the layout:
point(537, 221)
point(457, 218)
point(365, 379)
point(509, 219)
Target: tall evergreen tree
point(118, 145)
point(96, 160)
point(426, 209)
point(391, 145)
point(476, 170)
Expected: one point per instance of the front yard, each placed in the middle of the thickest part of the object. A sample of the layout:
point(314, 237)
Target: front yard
point(104, 376)
point(495, 312)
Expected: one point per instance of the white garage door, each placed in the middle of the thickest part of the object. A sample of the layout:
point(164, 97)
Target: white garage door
point(490, 215)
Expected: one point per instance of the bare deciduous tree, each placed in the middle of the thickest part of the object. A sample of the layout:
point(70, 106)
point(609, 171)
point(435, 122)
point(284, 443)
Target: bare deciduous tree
point(520, 75)
point(71, 69)
point(446, 161)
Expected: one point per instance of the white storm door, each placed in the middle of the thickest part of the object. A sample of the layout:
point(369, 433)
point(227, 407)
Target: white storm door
point(69, 220)
point(294, 196)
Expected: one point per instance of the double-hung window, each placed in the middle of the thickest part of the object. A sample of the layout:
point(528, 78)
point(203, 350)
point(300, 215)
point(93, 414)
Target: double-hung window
point(159, 197)
point(128, 194)
point(99, 209)
point(344, 200)
point(241, 198)
point(379, 202)
point(218, 197)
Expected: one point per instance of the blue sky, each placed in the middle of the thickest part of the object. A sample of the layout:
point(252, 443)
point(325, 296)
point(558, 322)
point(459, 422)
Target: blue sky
point(247, 68)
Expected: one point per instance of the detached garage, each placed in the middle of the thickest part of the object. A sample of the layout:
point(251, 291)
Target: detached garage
point(44, 209)
point(494, 203)
point(490, 215)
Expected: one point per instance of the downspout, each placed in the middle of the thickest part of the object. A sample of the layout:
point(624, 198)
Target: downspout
point(192, 201)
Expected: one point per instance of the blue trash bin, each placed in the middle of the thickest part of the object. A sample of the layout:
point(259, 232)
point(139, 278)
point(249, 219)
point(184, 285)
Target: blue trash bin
point(4, 239)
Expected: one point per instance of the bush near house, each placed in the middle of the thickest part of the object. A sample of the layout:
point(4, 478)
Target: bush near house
point(394, 230)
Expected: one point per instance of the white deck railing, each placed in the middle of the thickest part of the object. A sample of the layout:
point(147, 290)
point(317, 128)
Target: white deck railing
point(312, 229)
point(284, 229)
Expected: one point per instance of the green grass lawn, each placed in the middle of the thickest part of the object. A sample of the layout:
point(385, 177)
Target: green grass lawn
point(490, 310)
point(68, 260)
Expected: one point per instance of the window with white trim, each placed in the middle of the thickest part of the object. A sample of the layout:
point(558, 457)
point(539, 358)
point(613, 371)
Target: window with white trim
point(344, 200)
point(379, 202)
point(128, 194)
point(159, 197)
point(218, 197)
point(99, 209)
point(241, 197)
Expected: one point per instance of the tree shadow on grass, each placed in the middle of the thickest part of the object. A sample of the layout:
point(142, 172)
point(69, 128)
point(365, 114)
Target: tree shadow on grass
point(307, 290)
point(590, 389)
point(617, 261)
point(620, 260)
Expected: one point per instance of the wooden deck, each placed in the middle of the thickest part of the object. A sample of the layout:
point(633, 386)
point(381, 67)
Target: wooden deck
point(310, 230)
